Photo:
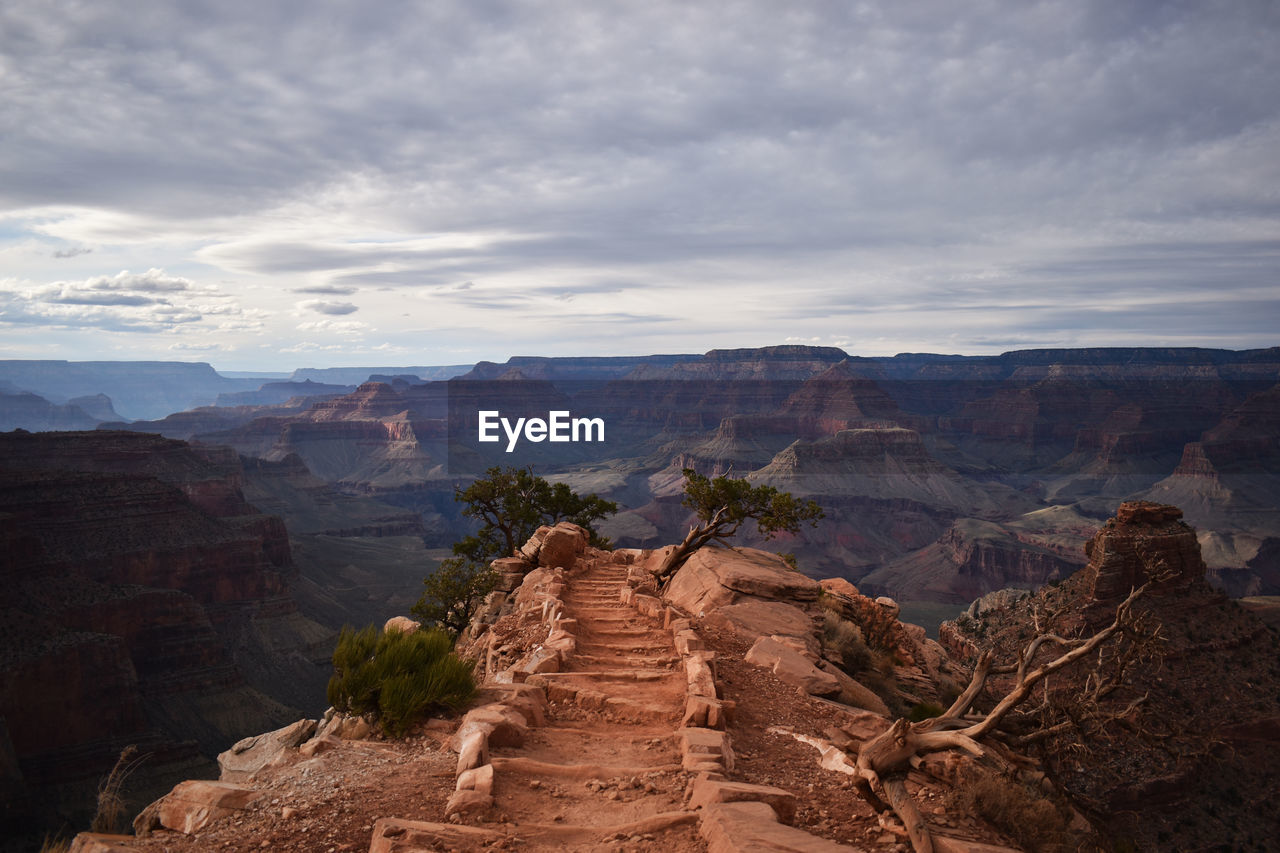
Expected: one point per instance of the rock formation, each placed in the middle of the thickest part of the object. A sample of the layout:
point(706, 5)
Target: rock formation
point(145, 602)
point(1197, 742)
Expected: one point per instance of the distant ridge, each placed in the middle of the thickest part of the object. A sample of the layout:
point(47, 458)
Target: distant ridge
point(360, 375)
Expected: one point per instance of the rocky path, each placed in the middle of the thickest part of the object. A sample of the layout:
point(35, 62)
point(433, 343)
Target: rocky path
point(605, 772)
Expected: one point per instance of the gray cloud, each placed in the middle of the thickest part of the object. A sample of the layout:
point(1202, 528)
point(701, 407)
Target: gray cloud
point(329, 289)
point(854, 159)
point(332, 308)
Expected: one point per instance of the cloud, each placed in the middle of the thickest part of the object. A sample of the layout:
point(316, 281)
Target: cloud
point(151, 301)
point(337, 327)
point(73, 252)
point(330, 289)
point(323, 307)
point(807, 172)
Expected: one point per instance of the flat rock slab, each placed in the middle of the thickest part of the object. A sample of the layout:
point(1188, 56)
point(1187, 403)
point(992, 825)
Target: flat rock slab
point(714, 577)
point(251, 754)
point(706, 791)
point(102, 842)
point(193, 804)
point(946, 844)
point(392, 835)
point(754, 828)
point(755, 617)
point(792, 667)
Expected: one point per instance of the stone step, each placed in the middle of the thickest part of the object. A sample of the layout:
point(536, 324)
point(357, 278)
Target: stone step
point(623, 647)
point(589, 661)
point(620, 630)
point(629, 701)
point(511, 765)
point(543, 679)
point(395, 835)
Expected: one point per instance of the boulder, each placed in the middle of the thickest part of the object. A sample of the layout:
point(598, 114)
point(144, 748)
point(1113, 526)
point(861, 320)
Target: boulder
point(562, 545)
point(754, 618)
point(792, 667)
point(467, 801)
point(478, 779)
point(506, 725)
point(889, 605)
point(403, 624)
point(194, 804)
point(251, 754)
point(839, 586)
point(853, 693)
point(714, 577)
point(101, 842)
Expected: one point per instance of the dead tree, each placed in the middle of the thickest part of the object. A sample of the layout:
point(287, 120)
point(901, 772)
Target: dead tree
point(882, 762)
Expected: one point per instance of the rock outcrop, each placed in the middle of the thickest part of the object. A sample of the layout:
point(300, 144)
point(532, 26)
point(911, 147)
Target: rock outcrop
point(1197, 741)
point(1144, 542)
point(145, 602)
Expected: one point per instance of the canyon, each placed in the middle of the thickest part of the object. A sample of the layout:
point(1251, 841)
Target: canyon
point(177, 582)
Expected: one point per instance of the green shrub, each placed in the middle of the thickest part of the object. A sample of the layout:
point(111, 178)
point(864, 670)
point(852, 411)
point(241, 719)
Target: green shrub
point(923, 711)
point(398, 678)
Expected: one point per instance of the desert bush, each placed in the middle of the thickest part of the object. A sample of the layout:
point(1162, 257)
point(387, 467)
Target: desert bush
point(844, 640)
point(398, 678)
point(1020, 811)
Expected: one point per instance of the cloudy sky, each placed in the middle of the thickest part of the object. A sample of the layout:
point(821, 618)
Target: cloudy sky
point(277, 184)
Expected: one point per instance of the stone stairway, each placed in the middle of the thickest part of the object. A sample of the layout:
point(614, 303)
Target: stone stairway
point(605, 772)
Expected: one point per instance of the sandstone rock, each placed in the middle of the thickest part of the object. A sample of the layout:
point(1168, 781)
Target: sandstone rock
point(511, 571)
point(753, 617)
point(701, 681)
point(1142, 537)
point(403, 624)
point(473, 750)
point(707, 712)
point(478, 779)
point(251, 754)
point(561, 545)
point(752, 827)
point(1146, 512)
point(705, 746)
point(792, 667)
point(318, 745)
point(705, 791)
point(101, 842)
point(947, 844)
point(853, 692)
point(467, 802)
point(839, 586)
point(395, 835)
point(714, 577)
point(193, 804)
point(530, 700)
point(506, 725)
point(688, 641)
point(344, 727)
point(890, 605)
